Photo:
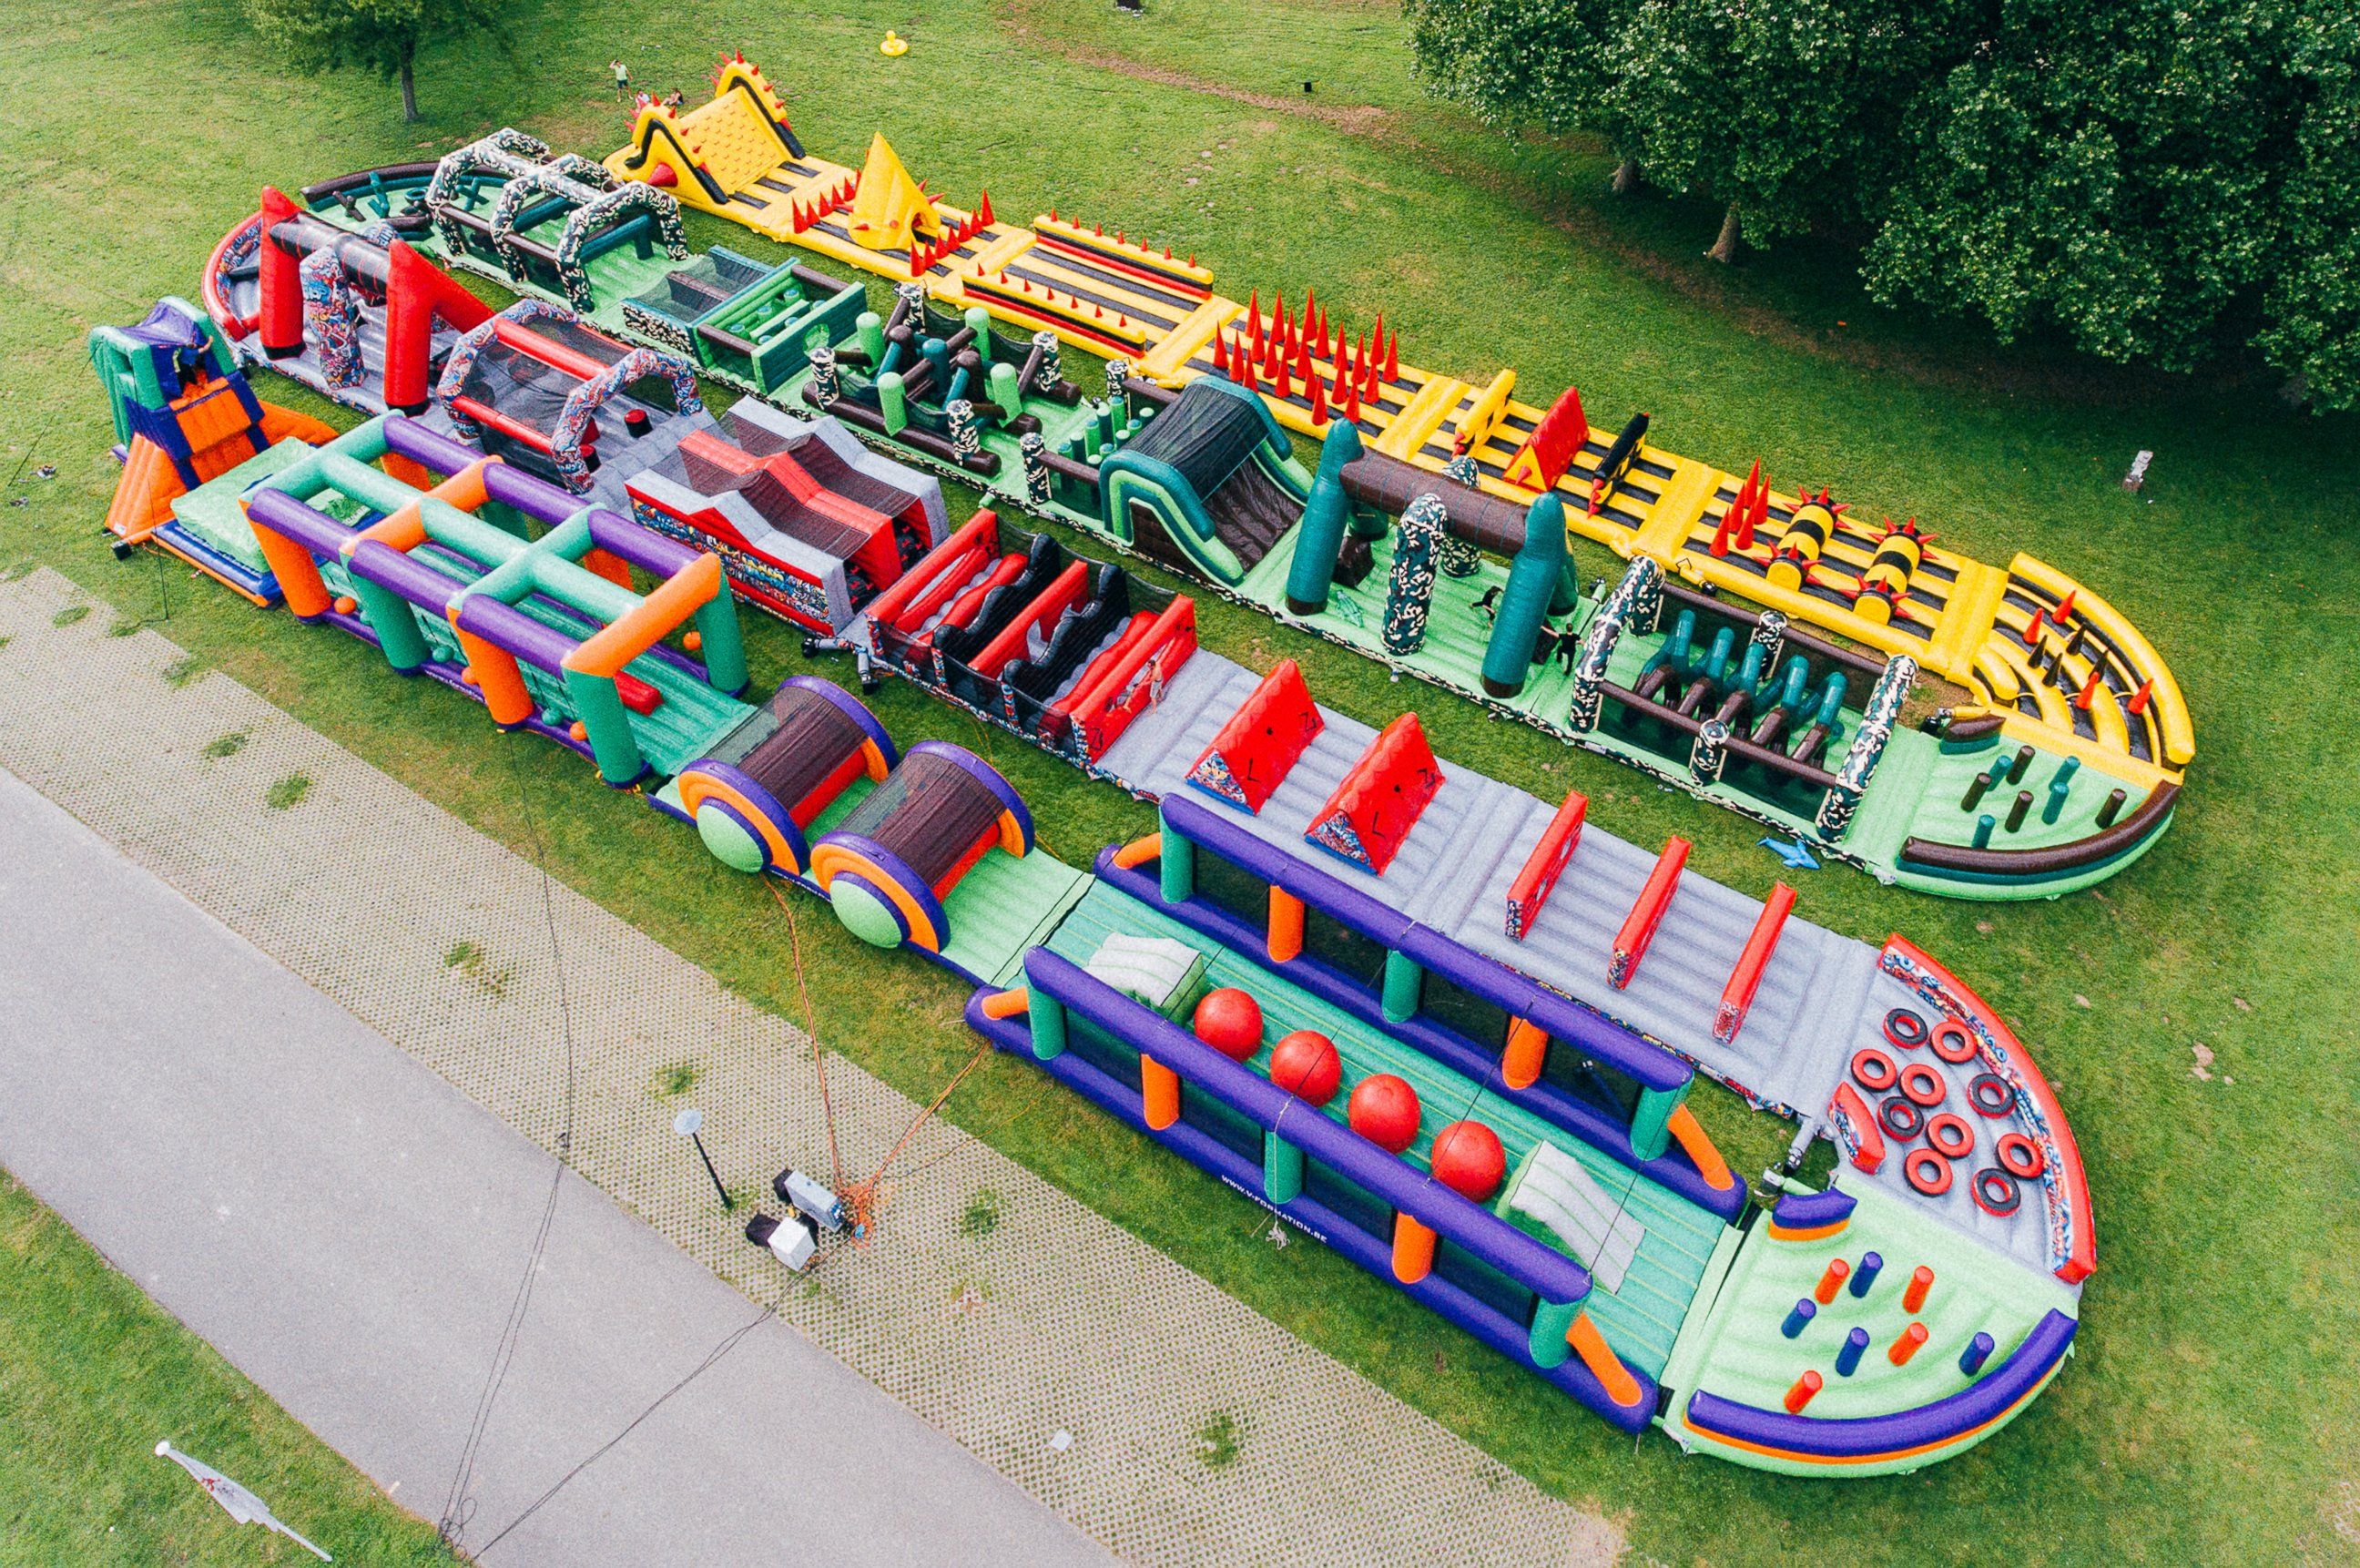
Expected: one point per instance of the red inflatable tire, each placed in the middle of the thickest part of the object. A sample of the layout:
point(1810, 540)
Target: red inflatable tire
point(1995, 1191)
point(1954, 1042)
point(1873, 1070)
point(2020, 1157)
point(1905, 1028)
point(1948, 1135)
point(1900, 1119)
point(1928, 1172)
point(1990, 1094)
point(1923, 1084)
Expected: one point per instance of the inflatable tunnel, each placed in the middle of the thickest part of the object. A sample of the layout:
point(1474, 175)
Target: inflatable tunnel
point(890, 863)
point(1210, 485)
point(752, 801)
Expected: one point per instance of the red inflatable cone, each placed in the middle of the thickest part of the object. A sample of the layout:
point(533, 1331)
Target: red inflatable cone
point(2139, 698)
point(1393, 358)
point(1319, 402)
point(1278, 386)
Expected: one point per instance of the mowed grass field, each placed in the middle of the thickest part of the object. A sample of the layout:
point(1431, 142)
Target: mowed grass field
point(92, 1375)
point(2194, 1015)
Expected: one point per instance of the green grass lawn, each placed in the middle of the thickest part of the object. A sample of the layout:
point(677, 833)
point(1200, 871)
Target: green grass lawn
point(92, 1375)
point(2207, 1417)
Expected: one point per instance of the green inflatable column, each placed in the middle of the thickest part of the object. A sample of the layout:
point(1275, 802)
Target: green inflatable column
point(1651, 1130)
point(390, 617)
point(1404, 983)
point(1046, 1016)
point(890, 398)
point(1282, 1168)
point(1533, 578)
point(612, 744)
point(723, 643)
point(1320, 536)
point(1552, 1321)
point(1176, 865)
point(869, 329)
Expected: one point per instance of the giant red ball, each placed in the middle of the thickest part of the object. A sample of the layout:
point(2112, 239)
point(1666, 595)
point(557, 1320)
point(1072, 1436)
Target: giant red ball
point(1383, 1110)
point(1231, 1022)
point(1306, 1063)
point(1469, 1160)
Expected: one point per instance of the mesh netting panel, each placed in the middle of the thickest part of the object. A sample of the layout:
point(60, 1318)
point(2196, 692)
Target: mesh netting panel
point(1206, 433)
point(928, 812)
point(525, 389)
point(583, 340)
point(811, 741)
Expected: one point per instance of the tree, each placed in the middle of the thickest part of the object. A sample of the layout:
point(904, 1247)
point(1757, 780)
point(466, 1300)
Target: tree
point(383, 36)
point(2159, 178)
point(1780, 111)
point(1514, 63)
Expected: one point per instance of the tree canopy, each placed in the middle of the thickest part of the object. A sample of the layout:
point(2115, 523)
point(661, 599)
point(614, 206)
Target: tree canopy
point(2158, 178)
point(382, 36)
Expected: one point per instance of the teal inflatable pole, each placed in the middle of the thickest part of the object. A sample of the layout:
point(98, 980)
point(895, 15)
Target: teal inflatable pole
point(1320, 536)
point(1533, 579)
point(612, 744)
point(723, 645)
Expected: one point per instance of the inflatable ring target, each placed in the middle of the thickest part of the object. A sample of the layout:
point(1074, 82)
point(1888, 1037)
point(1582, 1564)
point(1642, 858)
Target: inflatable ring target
point(1990, 1095)
point(1873, 1070)
point(1950, 1136)
point(1923, 1084)
point(1996, 1192)
point(1905, 1028)
point(2020, 1157)
point(1929, 1173)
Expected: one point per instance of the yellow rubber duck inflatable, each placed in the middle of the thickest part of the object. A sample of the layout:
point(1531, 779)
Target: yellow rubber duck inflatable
point(895, 45)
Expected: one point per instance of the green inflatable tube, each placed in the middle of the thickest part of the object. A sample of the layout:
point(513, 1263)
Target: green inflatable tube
point(1533, 581)
point(1320, 535)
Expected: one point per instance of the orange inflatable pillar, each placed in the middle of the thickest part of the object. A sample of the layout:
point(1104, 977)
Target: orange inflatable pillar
point(1159, 1092)
point(497, 678)
point(1520, 1064)
point(1412, 1250)
point(1286, 939)
point(1603, 1364)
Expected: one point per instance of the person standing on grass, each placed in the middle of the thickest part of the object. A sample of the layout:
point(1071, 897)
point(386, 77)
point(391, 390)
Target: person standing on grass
point(622, 80)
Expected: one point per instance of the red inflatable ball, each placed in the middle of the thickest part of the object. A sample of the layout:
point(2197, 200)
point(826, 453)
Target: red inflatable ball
point(1231, 1022)
point(1306, 1063)
point(1469, 1160)
point(1383, 1110)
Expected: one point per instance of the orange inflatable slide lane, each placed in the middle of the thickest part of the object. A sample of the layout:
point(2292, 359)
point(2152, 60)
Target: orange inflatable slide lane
point(184, 416)
point(151, 479)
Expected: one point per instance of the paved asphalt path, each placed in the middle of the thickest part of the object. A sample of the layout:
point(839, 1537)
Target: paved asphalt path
point(351, 1231)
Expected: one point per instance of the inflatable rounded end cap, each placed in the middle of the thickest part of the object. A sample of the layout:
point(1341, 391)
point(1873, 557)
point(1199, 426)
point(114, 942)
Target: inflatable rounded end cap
point(866, 913)
point(729, 840)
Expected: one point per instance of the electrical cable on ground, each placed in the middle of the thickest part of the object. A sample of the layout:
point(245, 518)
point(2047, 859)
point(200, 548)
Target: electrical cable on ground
point(729, 1342)
point(458, 1507)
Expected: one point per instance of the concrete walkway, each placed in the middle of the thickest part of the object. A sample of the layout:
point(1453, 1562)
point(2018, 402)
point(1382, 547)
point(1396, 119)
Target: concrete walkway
point(1062, 1351)
point(351, 1231)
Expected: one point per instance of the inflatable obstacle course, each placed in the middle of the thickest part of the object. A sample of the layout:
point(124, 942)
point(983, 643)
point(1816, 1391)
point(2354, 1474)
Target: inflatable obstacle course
point(1459, 577)
point(528, 386)
point(1446, 1028)
point(812, 525)
point(547, 632)
point(184, 417)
